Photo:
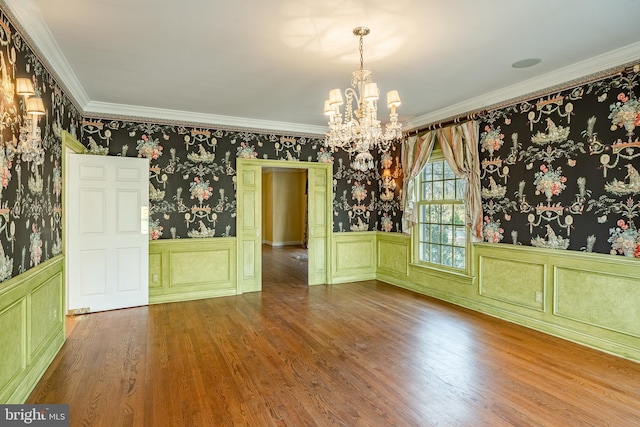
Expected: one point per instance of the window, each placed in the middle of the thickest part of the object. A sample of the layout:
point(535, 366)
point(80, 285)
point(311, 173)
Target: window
point(441, 231)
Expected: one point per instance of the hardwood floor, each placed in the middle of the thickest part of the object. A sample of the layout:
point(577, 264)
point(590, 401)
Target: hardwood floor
point(356, 354)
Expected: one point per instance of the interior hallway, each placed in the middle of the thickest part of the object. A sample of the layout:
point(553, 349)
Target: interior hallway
point(355, 354)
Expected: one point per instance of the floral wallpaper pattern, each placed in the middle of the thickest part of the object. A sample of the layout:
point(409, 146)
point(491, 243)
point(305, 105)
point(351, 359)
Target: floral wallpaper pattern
point(30, 191)
point(561, 171)
point(193, 175)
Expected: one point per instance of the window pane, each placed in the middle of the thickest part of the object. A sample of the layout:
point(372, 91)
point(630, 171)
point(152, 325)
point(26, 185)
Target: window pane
point(447, 256)
point(459, 257)
point(459, 236)
point(424, 233)
point(423, 213)
point(437, 170)
point(435, 254)
point(448, 173)
point(427, 193)
point(426, 172)
point(447, 235)
point(437, 190)
point(458, 214)
point(450, 190)
point(447, 214)
point(425, 252)
point(434, 214)
point(460, 187)
point(435, 234)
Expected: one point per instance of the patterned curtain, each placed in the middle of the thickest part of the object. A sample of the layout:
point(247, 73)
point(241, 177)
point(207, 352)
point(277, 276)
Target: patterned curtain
point(415, 154)
point(459, 145)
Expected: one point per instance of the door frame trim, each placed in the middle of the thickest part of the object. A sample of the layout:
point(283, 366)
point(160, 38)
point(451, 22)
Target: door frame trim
point(308, 166)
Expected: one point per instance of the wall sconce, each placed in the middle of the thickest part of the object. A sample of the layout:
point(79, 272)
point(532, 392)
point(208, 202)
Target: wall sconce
point(30, 140)
point(388, 185)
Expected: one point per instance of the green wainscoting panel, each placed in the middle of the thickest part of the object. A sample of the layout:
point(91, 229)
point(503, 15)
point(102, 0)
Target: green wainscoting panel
point(31, 327)
point(13, 342)
point(354, 257)
point(155, 269)
point(393, 252)
point(603, 299)
point(181, 270)
point(45, 318)
point(498, 281)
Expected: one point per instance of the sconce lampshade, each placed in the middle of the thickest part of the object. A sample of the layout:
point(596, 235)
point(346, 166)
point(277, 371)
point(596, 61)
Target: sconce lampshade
point(35, 106)
point(24, 87)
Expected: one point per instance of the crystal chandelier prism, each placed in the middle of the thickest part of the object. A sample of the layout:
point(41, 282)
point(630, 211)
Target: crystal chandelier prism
point(359, 131)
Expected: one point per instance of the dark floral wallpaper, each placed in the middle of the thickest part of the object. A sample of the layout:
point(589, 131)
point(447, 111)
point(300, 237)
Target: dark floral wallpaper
point(193, 175)
point(561, 171)
point(30, 190)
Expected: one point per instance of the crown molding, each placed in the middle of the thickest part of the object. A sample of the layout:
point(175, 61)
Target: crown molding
point(578, 73)
point(27, 19)
point(135, 113)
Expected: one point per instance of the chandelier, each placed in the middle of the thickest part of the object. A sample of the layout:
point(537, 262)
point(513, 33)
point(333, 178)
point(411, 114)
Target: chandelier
point(359, 132)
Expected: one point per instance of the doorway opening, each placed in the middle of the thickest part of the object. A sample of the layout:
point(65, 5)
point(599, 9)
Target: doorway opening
point(284, 227)
point(249, 219)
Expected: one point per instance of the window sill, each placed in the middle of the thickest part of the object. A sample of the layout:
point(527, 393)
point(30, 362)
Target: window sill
point(458, 276)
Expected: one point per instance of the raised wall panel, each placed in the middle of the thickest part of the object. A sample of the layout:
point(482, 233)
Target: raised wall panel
point(181, 270)
point(393, 257)
point(354, 257)
point(155, 270)
point(512, 281)
point(13, 342)
point(598, 298)
point(45, 312)
point(31, 327)
point(189, 268)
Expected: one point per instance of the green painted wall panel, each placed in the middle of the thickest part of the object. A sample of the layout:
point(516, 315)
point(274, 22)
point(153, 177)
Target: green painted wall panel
point(155, 270)
point(354, 256)
point(396, 257)
point(13, 342)
point(31, 327)
point(182, 270)
point(45, 312)
point(601, 299)
point(512, 281)
point(191, 268)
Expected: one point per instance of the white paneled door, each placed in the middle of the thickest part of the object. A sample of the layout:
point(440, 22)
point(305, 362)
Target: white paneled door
point(107, 246)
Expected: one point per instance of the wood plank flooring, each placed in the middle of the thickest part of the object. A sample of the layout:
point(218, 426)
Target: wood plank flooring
point(356, 354)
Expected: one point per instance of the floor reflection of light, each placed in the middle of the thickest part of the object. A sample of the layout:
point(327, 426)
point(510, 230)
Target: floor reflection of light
point(326, 27)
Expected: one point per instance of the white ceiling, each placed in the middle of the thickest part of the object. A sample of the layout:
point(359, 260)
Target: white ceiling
point(269, 64)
